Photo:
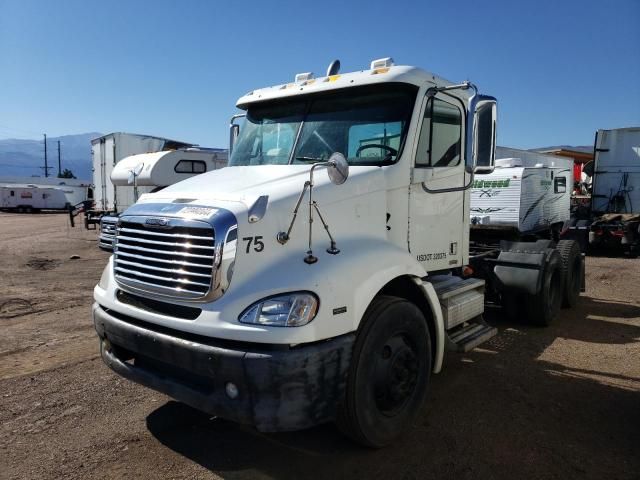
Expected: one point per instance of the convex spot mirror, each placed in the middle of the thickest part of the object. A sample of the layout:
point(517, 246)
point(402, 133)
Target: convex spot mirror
point(338, 168)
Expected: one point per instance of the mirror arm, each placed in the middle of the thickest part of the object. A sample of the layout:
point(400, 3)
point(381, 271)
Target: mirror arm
point(470, 124)
point(283, 237)
point(469, 131)
point(234, 129)
point(333, 250)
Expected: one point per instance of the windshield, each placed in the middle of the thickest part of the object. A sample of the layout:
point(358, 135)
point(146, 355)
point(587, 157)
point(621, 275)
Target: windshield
point(366, 124)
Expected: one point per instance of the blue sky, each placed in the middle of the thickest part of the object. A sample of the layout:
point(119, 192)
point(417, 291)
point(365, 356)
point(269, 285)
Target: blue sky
point(560, 69)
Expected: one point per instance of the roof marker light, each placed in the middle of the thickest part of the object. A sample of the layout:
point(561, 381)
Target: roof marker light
point(382, 63)
point(303, 77)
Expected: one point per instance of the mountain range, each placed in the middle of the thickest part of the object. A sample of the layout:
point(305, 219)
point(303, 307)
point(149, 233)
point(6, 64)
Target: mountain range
point(25, 158)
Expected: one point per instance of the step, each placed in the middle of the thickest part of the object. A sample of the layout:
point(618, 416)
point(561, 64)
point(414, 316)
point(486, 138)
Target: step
point(461, 299)
point(447, 286)
point(470, 336)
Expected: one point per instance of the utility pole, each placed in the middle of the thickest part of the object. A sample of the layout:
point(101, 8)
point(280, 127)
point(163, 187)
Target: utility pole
point(59, 164)
point(46, 167)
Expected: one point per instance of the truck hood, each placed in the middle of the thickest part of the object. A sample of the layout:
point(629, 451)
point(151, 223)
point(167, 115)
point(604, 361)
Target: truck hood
point(246, 184)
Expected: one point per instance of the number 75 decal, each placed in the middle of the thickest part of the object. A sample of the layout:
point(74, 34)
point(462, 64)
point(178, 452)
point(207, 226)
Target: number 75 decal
point(256, 242)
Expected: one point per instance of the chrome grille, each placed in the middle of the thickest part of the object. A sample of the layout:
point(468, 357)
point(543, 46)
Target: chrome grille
point(108, 228)
point(178, 261)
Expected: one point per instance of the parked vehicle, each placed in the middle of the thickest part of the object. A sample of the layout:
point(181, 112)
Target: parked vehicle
point(527, 198)
point(106, 152)
point(613, 221)
point(156, 171)
point(32, 198)
point(321, 276)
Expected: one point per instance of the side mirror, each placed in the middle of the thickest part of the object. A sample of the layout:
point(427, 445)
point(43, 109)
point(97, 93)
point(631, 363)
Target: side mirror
point(481, 136)
point(337, 168)
point(234, 131)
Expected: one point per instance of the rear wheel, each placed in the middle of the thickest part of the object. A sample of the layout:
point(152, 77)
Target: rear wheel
point(512, 304)
point(572, 271)
point(389, 373)
point(543, 307)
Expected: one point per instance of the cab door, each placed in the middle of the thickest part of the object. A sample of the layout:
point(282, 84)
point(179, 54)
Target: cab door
point(437, 220)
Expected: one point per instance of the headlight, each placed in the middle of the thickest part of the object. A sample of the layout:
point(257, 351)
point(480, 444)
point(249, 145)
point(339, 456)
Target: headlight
point(104, 278)
point(288, 310)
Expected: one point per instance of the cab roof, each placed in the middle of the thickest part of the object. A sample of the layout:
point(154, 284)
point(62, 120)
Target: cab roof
point(399, 73)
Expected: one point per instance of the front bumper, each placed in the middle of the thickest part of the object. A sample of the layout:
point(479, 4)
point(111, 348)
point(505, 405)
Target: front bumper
point(280, 388)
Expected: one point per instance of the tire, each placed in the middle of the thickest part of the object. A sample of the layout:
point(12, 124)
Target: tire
point(543, 307)
point(511, 302)
point(571, 257)
point(389, 373)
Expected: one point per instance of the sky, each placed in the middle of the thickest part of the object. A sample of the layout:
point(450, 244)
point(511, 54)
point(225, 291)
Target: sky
point(561, 69)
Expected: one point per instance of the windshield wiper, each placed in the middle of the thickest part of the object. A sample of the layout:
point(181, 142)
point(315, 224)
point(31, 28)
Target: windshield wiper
point(310, 159)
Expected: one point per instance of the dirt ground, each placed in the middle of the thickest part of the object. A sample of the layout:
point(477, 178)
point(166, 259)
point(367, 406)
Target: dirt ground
point(561, 402)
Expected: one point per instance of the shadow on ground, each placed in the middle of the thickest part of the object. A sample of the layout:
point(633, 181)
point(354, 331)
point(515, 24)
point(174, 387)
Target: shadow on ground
point(500, 412)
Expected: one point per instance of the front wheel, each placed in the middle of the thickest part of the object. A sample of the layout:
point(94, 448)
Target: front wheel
point(389, 373)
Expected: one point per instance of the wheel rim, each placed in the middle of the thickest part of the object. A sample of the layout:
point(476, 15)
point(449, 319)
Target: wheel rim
point(396, 374)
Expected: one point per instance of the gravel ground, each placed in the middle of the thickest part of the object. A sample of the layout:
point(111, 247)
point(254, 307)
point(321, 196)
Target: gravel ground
point(561, 402)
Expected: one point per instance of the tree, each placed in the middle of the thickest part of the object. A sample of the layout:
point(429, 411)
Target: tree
point(66, 173)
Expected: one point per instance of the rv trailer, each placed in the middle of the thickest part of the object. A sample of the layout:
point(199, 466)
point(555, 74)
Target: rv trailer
point(32, 198)
point(522, 196)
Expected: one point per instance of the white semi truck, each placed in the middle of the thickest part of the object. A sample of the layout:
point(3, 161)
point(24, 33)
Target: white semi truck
point(323, 274)
point(613, 222)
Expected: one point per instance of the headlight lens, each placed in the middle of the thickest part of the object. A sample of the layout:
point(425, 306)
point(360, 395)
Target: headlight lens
point(288, 310)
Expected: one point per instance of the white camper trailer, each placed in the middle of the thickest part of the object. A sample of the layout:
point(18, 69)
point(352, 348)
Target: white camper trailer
point(529, 198)
point(160, 169)
point(148, 172)
point(32, 198)
point(76, 190)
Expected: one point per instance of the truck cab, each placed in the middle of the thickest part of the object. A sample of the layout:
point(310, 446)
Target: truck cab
point(322, 274)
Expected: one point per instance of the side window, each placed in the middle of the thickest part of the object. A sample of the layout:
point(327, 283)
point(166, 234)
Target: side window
point(440, 135)
point(560, 185)
point(190, 166)
point(13, 193)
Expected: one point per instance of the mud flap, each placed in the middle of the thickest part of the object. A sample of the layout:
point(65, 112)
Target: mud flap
point(520, 266)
